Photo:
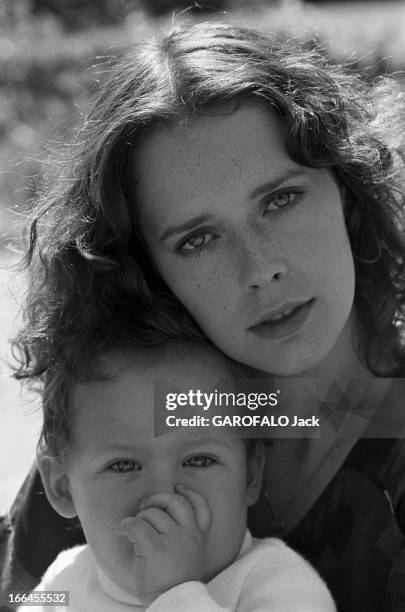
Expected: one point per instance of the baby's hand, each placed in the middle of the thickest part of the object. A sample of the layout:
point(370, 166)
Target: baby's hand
point(169, 541)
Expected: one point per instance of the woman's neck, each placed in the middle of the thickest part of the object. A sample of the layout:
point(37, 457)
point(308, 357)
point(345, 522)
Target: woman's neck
point(343, 363)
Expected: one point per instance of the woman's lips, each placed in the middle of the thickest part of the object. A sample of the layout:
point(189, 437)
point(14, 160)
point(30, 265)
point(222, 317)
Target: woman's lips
point(290, 323)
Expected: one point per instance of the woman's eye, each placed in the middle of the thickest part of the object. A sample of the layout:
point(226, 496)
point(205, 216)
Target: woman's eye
point(199, 461)
point(283, 200)
point(124, 466)
point(194, 243)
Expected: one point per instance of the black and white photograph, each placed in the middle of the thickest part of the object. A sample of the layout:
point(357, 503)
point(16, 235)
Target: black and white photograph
point(202, 305)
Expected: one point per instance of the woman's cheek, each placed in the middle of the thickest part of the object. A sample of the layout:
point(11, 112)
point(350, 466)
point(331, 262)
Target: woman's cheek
point(199, 285)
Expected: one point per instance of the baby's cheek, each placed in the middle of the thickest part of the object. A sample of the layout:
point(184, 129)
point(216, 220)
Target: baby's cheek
point(231, 507)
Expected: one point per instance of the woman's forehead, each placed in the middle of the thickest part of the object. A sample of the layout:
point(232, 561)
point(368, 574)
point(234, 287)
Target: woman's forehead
point(208, 158)
point(204, 140)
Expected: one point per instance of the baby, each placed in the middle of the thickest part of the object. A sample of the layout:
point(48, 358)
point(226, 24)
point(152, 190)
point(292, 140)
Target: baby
point(164, 517)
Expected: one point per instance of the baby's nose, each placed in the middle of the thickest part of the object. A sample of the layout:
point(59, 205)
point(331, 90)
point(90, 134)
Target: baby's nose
point(162, 482)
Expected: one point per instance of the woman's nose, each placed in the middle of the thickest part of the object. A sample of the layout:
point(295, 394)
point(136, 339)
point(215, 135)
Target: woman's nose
point(260, 265)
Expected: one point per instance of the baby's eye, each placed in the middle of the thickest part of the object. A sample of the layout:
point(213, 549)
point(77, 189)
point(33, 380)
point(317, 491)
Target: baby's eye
point(283, 200)
point(195, 242)
point(199, 461)
point(124, 465)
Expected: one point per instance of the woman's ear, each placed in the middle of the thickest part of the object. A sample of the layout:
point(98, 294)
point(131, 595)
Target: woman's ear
point(56, 484)
point(255, 467)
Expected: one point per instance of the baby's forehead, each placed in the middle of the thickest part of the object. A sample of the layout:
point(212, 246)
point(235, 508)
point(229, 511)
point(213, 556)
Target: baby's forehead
point(129, 411)
point(128, 383)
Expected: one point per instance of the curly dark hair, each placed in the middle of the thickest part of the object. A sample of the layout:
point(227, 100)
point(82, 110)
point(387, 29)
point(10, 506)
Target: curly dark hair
point(86, 257)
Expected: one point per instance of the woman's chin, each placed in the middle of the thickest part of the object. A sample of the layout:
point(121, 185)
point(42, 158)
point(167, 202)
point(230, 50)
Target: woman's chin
point(305, 363)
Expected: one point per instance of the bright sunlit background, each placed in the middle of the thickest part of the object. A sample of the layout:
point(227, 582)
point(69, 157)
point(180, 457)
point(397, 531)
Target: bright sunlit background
point(49, 52)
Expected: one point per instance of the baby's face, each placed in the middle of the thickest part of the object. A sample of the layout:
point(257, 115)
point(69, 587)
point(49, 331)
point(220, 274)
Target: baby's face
point(115, 463)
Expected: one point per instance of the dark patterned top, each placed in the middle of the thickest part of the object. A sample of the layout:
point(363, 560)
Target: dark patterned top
point(354, 534)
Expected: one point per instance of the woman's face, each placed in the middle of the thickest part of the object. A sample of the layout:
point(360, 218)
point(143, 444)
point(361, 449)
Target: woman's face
point(253, 244)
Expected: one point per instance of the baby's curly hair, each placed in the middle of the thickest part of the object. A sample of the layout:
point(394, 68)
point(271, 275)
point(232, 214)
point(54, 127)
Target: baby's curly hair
point(86, 256)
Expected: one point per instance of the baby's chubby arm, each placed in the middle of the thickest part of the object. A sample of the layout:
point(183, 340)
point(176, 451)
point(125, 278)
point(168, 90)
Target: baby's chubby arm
point(169, 535)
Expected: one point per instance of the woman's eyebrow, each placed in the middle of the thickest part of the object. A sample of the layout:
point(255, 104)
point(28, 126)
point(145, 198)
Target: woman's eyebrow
point(182, 227)
point(264, 188)
point(274, 183)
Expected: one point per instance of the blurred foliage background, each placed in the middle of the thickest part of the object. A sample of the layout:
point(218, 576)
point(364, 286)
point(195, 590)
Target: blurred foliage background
point(50, 50)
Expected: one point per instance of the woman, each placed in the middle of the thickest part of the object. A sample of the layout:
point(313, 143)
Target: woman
point(243, 181)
